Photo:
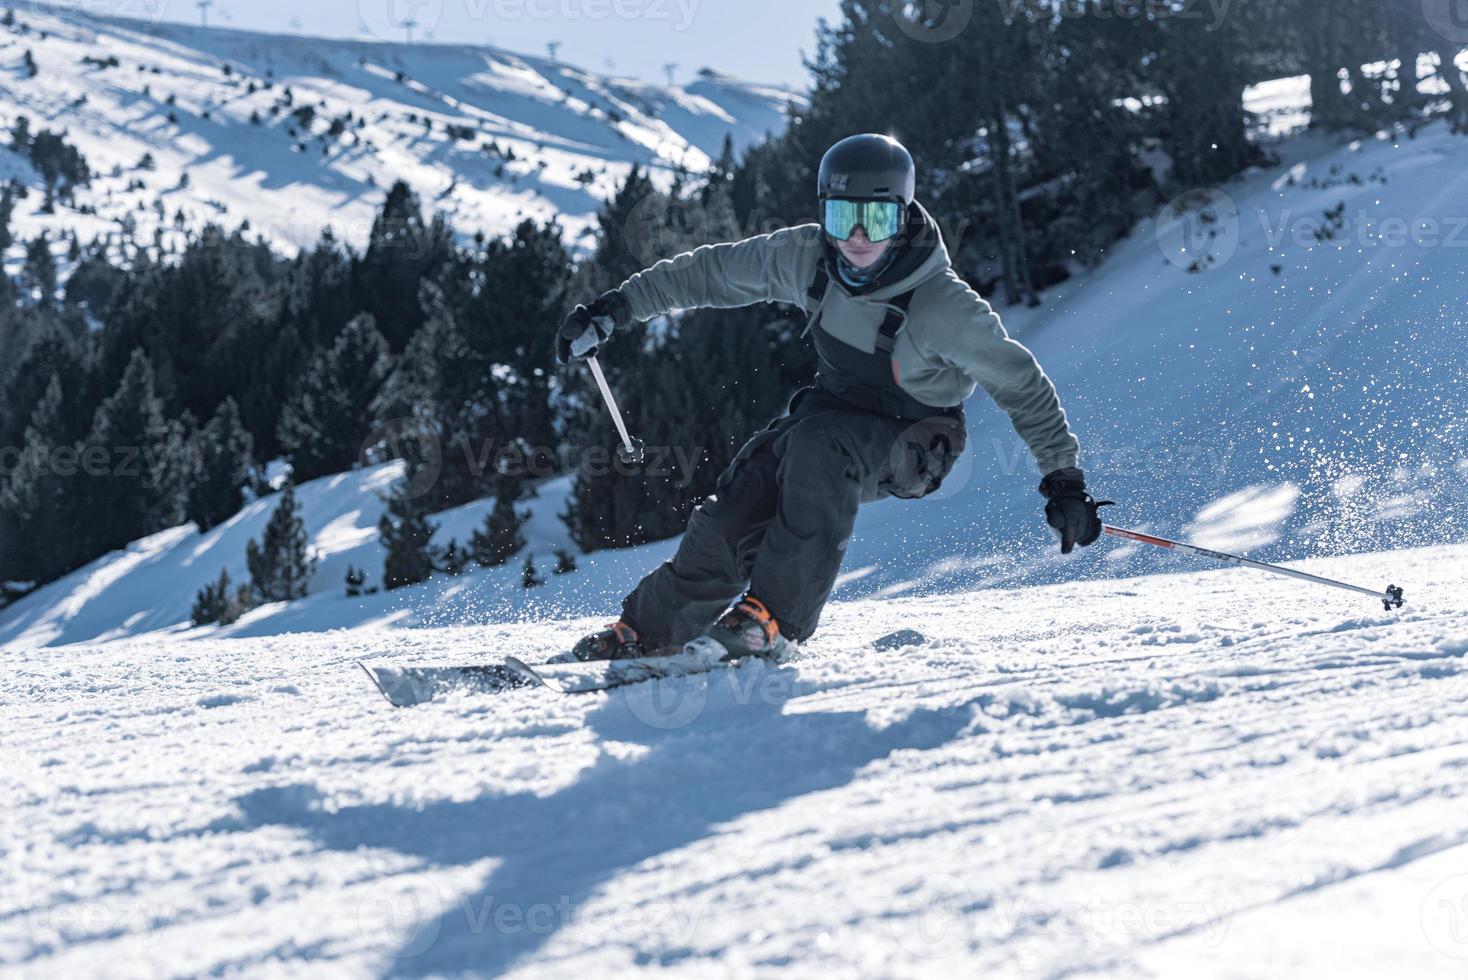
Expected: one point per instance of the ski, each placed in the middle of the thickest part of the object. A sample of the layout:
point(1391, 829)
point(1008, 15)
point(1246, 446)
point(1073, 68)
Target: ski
point(607, 675)
point(405, 687)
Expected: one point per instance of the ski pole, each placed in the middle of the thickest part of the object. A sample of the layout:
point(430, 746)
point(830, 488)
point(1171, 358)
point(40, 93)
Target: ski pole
point(1391, 598)
point(631, 450)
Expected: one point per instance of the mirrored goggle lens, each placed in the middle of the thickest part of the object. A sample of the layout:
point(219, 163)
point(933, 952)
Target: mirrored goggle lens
point(881, 220)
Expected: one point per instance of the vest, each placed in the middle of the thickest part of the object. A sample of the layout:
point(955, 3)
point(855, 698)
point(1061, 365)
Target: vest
point(866, 381)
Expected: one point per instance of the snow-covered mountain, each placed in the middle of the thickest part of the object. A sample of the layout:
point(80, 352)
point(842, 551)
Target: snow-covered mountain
point(486, 135)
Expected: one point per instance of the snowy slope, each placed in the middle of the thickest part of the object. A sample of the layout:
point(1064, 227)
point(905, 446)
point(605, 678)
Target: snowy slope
point(560, 123)
point(1301, 395)
point(1165, 776)
point(150, 586)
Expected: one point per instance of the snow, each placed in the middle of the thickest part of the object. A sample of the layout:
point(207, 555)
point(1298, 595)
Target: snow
point(1088, 769)
point(1202, 775)
point(557, 120)
point(150, 586)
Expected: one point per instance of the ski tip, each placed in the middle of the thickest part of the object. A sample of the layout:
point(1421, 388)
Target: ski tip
point(377, 682)
point(527, 672)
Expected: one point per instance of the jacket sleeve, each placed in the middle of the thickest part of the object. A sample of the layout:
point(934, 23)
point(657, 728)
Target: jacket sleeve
point(767, 268)
point(972, 339)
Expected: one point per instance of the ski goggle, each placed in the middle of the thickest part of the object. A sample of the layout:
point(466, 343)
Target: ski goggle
point(880, 219)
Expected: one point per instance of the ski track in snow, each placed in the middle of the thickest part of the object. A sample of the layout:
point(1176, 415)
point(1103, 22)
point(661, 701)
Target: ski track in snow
point(1214, 774)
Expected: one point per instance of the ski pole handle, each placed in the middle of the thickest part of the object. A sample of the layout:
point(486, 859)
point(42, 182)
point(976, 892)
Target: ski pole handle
point(1391, 597)
point(631, 450)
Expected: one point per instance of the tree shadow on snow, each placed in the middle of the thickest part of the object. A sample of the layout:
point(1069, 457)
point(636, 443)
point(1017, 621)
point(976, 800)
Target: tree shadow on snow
point(717, 748)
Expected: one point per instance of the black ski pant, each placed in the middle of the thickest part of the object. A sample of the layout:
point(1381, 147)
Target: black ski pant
point(782, 514)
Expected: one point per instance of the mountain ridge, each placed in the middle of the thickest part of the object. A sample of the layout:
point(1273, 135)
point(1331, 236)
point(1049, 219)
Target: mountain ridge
point(295, 134)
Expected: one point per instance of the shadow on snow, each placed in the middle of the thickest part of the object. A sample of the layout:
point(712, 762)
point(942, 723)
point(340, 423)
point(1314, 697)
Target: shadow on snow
point(739, 755)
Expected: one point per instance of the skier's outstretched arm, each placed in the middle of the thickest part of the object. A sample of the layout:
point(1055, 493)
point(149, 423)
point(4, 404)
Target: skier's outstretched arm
point(777, 267)
point(968, 335)
point(971, 337)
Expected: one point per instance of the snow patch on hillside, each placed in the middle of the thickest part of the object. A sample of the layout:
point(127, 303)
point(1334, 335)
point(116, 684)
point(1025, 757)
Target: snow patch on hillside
point(150, 586)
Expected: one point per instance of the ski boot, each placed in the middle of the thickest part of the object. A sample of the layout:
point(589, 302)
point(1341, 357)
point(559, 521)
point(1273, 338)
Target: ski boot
point(617, 641)
point(746, 630)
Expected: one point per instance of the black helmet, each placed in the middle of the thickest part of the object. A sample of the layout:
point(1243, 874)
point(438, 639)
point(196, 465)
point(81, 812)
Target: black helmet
point(868, 167)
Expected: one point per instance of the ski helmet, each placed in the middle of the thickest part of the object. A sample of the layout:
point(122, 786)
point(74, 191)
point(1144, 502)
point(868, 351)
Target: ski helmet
point(868, 167)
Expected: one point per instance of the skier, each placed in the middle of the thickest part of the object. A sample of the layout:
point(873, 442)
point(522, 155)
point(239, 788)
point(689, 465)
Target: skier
point(902, 342)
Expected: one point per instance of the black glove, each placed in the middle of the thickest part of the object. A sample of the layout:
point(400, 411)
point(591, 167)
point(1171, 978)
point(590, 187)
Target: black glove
point(1070, 510)
point(587, 327)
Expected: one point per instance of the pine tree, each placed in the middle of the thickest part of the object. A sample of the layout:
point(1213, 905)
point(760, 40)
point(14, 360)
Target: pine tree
point(318, 292)
point(403, 252)
point(7, 212)
point(723, 169)
point(280, 564)
point(565, 562)
point(268, 386)
point(221, 602)
point(203, 321)
point(529, 576)
point(55, 349)
point(500, 538)
point(453, 560)
point(1203, 72)
point(38, 275)
point(142, 487)
point(324, 424)
point(237, 605)
point(447, 392)
point(622, 226)
point(523, 288)
point(407, 535)
point(93, 282)
point(61, 165)
point(356, 579)
point(32, 70)
point(20, 136)
point(222, 453)
point(38, 509)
